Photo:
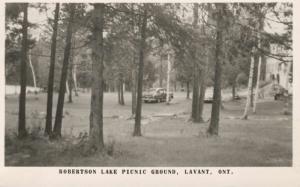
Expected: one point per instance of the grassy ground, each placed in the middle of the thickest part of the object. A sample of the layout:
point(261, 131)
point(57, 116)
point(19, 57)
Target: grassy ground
point(171, 140)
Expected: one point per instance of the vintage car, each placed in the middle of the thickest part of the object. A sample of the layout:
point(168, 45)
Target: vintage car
point(278, 92)
point(156, 95)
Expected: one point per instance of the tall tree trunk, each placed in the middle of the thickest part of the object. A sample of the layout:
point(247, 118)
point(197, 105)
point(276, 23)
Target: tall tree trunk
point(70, 72)
point(70, 90)
point(122, 92)
point(245, 115)
point(48, 127)
point(188, 90)
point(32, 71)
point(161, 72)
point(96, 115)
point(133, 91)
point(195, 99)
point(133, 70)
point(233, 90)
point(215, 112)
point(252, 90)
point(23, 80)
point(64, 73)
point(202, 94)
point(118, 91)
point(258, 77)
point(138, 113)
point(203, 74)
point(168, 80)
point(75, 79)
point(67, 87)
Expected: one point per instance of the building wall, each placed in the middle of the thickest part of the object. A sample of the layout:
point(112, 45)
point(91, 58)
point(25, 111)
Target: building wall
point(278, 71)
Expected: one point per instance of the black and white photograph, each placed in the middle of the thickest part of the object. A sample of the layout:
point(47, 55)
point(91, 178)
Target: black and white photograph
point(198, 84)
point(157, 93)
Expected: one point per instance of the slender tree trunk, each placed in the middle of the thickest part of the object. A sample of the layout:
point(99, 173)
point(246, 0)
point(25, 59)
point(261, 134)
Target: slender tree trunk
point(233, 90)
point(70, 73)
point(48, 127)
point(252, 93)
point(70, 90)
point(133, 71)
point(202, 95)
point(203, 74)
point(245, 115)
point(122, 92)
point(75, 79)
point(64, 73)
point(161, 72)
point(32, 71)
point(23, 80)
point(96, 115)
point(133, 91)
point(188, 90)
point(67, 87)
point(168, 80)
point(215, 112)
point(195, 99)
point(258, 77)
point(137, 125)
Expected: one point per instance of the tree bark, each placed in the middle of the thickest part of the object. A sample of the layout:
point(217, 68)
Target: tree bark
point(245, 115)
point(188, 90)
point(258, 77)
point(96, 114)
point(70, 72)
point(122, 92)
point(133, 91)
point(137, 125)
point(203, 74)
point(64, 73)
point(168, 80)
point(202, 94)
point(133, 71)
point(75, 80)
point(161, 73)
point(32, 71)
point(195, 99)
point(233, 90)
point(23, 80)
point(215, 112)
point(48, 127)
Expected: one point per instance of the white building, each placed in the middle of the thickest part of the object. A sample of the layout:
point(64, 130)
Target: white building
point(279, 71)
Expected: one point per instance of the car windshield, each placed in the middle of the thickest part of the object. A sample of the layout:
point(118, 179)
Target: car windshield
point(151, 90)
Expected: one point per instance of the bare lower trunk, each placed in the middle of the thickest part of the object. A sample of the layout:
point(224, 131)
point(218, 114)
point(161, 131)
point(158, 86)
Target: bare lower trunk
point(67, 87)
point(258, 77)
point(118, 91)
point(48, 127)
point(202, 95)
point(168, 80)
point(245, 115)
point(215, 112)
point(64, 73)
point(133, 92)
point(96, 113)
point(233, 90)
point(195, 101)
point(122, 93)
point(252, 94)
point(188, 90)
point(75, 79)
point(161, 73)
point(23, 80)
point(32, 71)
point(138, 113)
point(70, 91)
